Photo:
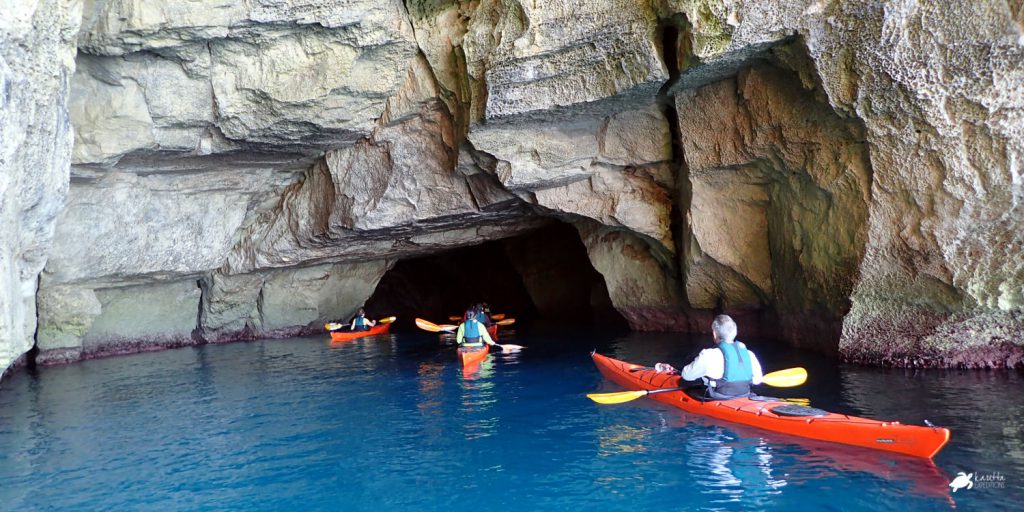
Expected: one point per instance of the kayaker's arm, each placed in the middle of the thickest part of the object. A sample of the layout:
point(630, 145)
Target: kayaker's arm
point(353, 326)
point(460, 334)
point(755, 367)
point(696, 369)
point(487, 337)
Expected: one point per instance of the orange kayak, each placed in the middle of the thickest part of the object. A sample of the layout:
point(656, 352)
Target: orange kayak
point(890, 436)
point(338, 336)
point(473, 355)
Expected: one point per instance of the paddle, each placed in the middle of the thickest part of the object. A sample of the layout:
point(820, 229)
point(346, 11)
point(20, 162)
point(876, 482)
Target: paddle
point(782, 379)
point(498, 316)
point(454, 318)
point(432, 327)
point(507, 321)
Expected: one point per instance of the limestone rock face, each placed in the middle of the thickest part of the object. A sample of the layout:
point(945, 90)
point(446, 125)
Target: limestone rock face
point(779, 201)
point(398, 193)
point(640, 287)
point(844, 170)
point(36, 62)
point(943, 241)
point(183, 227)
point(191, 119)
point(78, 322)
point(284, 302)
point(576, 57)
point(210, 76)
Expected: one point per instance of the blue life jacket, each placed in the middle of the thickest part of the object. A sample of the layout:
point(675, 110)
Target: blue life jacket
point(738, 372)
point(472, 331)
point(360, 321)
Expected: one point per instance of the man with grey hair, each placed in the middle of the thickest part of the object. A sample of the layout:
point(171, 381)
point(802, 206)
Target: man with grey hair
point(727, 370)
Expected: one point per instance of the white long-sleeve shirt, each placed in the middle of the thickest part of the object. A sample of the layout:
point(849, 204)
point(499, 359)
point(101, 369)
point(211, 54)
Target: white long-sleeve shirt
point(710, 363)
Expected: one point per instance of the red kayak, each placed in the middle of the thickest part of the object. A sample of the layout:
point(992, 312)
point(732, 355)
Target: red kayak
point(339, 336)
point(778, 416)
point(473, 355)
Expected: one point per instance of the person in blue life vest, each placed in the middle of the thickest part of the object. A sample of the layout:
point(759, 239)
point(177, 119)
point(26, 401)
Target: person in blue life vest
point(727, 370)
point(472, 332)
point(483, 315)
point(361, 323)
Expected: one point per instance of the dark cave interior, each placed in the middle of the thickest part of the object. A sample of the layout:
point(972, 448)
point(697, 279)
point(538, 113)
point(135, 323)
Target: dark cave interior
point(543, 279)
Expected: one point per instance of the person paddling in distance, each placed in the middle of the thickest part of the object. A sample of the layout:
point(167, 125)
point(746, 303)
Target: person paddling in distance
point(483, 316)
point(472, 332)
point(361, 323)
point(728, 370)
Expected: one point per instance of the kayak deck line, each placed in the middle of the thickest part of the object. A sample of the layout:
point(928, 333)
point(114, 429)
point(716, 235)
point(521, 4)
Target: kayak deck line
point(891, 436)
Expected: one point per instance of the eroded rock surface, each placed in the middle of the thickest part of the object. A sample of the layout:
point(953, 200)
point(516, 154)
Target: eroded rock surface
point(36, 62)
point(779, 201)
point(854, 163)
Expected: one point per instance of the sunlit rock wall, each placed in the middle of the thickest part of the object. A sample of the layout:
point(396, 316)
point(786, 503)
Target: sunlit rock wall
point(36, 63)
point(938, 88)
point(778, 211)
point(844, 171)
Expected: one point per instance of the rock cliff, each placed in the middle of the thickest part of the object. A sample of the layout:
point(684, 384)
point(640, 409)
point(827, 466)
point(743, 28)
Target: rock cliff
point(844, 175)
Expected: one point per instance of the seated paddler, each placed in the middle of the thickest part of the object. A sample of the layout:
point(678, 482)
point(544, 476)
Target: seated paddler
point(361, 323)
point(472, 332)
point(729, 369)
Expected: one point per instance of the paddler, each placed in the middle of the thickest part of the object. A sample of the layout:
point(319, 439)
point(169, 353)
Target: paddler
point(482, 315)
point(728, 370)
point(472, 332)
point(361, 323)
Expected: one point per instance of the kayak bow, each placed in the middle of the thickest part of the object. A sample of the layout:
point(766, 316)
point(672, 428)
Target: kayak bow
point(891, 436)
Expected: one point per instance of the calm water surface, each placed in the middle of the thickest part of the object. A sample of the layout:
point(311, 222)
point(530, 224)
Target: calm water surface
point(391, 423)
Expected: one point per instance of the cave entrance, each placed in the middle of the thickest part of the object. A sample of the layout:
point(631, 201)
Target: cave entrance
point(543, 278)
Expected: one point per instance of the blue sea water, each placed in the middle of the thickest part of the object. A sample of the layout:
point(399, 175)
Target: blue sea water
point(392, 423)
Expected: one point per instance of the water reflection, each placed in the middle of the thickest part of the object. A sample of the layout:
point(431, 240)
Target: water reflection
point(620, 439)
point(478, 400)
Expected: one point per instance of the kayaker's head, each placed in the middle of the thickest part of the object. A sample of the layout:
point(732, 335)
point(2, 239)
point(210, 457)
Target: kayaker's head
point(723, 328)
point(470, 313)
point(361, 312)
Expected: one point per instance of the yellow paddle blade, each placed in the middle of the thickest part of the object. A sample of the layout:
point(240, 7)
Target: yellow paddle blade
point(786, 378)
point(427, 326)
point(498, 316)
point(616, 398)
point(507, 321)
point(447, 327)
point(454, 318)
point(330, 326)
point(387, 320)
